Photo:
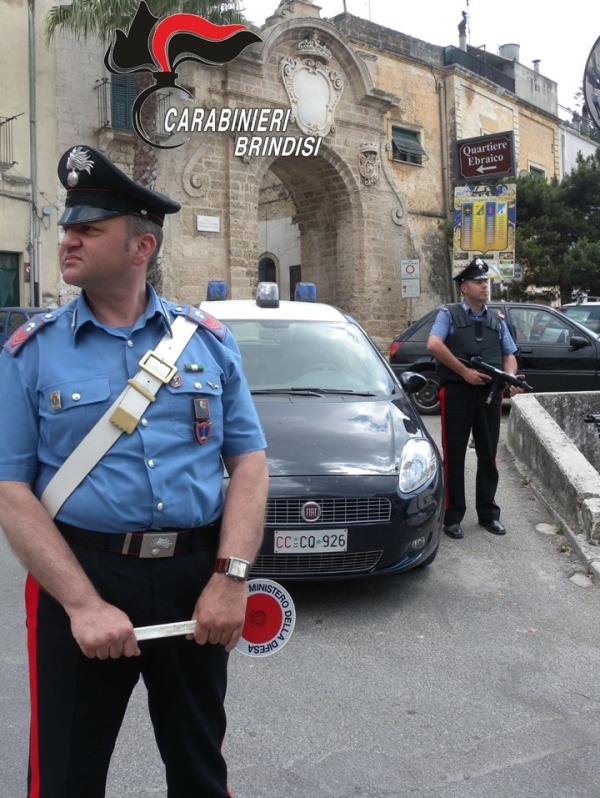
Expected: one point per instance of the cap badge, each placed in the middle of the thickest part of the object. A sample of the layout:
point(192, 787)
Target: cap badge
point(78, 161)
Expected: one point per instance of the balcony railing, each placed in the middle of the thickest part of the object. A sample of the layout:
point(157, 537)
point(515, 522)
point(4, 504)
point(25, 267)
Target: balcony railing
point(6, 142)
point(454, 55)
point(115, 101)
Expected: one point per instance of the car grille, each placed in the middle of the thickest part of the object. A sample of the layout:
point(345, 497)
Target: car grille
point(286, 512)
point(299, 564)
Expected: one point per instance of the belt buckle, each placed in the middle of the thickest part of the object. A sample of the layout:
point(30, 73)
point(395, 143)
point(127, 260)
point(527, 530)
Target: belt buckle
point(151, 363)
point(158, 545)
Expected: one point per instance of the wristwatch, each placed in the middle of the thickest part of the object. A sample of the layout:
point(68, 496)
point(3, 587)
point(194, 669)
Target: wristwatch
point(233, 567)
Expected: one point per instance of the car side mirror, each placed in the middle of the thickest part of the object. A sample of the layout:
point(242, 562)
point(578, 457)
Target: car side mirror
point(412, 382)
point(577, 342)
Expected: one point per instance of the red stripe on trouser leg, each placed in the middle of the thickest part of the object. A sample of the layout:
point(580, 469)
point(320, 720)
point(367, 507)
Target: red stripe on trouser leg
point(32, 593)
point(442, 398)
point(227, 790)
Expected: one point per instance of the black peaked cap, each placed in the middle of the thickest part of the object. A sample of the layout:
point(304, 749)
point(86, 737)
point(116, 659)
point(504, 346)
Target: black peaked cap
point(476, 270)
point(97, 189)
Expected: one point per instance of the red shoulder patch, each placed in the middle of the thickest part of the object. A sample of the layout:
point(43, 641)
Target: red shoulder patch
point(25, 333)
point(210, 323)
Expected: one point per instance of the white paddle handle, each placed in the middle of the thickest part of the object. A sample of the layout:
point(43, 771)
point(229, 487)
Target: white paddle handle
point(164, 630)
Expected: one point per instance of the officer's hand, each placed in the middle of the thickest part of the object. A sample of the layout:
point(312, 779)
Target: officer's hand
point(102, 630)
point(513, 388)
point(220, 612)
point(474, 377)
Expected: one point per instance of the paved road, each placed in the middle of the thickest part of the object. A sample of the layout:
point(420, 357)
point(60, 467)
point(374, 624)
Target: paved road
point(476, 678)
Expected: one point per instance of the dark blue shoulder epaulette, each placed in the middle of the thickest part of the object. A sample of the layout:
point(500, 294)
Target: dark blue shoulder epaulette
point(26, 332)
point(210, 323)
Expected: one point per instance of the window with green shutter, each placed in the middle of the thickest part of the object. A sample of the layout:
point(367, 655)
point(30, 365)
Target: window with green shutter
point(406, 146)
point(534, 171)
point(123, 92)
point(9, 279)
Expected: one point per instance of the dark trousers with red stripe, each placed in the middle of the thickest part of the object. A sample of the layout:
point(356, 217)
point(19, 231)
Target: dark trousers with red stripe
point(465, 410)
point(78, 704)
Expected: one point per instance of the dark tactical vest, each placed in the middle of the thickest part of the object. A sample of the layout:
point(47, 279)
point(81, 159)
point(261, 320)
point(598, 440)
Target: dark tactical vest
point(472, 339)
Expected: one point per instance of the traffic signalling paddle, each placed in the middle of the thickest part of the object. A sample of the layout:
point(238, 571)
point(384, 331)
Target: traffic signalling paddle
point(270, 619)
point(269, 623)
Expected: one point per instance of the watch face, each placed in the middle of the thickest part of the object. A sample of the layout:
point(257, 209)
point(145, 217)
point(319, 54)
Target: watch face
point(238, 568)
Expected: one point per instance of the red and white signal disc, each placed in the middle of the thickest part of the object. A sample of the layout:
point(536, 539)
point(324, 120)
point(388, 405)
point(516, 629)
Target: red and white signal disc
point(270, 619)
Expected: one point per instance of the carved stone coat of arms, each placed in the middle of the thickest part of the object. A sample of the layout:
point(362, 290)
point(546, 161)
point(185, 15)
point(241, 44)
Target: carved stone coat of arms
point(314, 89)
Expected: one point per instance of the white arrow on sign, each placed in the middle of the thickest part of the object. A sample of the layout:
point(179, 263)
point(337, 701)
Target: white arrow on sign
point(482, 169)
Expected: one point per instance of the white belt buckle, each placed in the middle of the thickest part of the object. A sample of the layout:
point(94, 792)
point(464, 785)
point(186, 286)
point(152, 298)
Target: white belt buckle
point(158, 367)
point(158, 544)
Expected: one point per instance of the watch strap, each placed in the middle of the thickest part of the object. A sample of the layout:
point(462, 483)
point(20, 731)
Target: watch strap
point(222, 566)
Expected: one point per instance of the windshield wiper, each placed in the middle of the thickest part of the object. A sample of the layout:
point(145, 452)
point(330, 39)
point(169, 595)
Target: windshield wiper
point(344, 392)
point(313, 391)
point(300, 391)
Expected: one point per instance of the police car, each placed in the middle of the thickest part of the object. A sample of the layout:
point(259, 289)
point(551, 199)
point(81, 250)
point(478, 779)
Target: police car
point(356, 485)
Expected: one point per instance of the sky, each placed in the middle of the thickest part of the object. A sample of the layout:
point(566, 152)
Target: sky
point(561, 36)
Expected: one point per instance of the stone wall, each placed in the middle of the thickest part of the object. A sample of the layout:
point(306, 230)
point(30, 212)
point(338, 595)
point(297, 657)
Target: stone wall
point(569, 411)
point(548, 437)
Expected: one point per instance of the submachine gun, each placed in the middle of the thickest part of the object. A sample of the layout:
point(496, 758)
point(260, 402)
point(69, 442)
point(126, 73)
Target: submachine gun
point(499, 378)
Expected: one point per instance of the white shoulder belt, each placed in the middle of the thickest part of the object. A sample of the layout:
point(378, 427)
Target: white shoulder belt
point(157, 367)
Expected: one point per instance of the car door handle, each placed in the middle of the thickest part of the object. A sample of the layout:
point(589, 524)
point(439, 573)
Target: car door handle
point(524, 351)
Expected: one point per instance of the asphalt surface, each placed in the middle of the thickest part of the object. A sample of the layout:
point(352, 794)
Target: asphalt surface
point(476, 677)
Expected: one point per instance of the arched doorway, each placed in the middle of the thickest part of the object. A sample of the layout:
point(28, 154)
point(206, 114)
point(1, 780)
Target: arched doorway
point(310, 223)
point(267, 270)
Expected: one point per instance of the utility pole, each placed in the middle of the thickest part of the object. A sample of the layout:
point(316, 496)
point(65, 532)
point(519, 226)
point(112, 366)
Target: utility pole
point(468, 24)
point(35, 288)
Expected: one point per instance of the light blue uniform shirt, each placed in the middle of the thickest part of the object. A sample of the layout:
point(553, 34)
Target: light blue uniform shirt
point(443, 327)
point(65, 377)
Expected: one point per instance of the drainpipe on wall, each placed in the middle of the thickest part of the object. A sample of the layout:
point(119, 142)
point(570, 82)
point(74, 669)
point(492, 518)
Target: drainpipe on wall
point(440, 86)
point(34, 244)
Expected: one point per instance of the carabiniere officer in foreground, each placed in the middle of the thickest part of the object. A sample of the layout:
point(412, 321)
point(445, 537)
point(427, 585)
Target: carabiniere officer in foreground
point(111, 474)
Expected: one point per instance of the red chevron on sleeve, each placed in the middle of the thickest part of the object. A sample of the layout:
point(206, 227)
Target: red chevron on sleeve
point(25, 332)
point(210, 323)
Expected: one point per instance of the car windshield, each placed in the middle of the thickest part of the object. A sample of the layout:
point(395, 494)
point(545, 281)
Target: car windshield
point(587, 315)
point(304, 355)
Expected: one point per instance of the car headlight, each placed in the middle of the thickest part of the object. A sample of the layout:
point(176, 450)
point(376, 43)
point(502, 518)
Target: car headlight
point(418, 464)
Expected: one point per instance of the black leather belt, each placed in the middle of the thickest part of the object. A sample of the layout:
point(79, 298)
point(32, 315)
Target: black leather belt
point(155, 543)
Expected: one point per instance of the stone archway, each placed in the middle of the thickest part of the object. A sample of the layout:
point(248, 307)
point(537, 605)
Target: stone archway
point(319, 201)
point(330, 220)
point(345, 216)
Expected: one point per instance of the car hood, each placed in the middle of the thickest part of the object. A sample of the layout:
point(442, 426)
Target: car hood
point(308, 435)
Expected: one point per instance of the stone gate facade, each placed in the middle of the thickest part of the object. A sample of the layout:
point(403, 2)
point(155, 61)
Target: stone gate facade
point(349, 216)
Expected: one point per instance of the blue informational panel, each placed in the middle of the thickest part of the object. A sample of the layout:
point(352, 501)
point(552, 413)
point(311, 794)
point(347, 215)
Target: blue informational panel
point(484, 224)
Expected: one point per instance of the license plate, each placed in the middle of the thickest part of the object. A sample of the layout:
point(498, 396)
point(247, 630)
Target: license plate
point(311, 542)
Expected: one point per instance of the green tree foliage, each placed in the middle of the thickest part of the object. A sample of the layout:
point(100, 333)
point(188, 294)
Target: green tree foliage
point(102, 17)
point(558, 229)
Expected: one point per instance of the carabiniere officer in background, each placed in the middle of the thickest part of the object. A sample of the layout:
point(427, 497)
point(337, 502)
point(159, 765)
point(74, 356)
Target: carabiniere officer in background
point(465, 330)
point(146, 402)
